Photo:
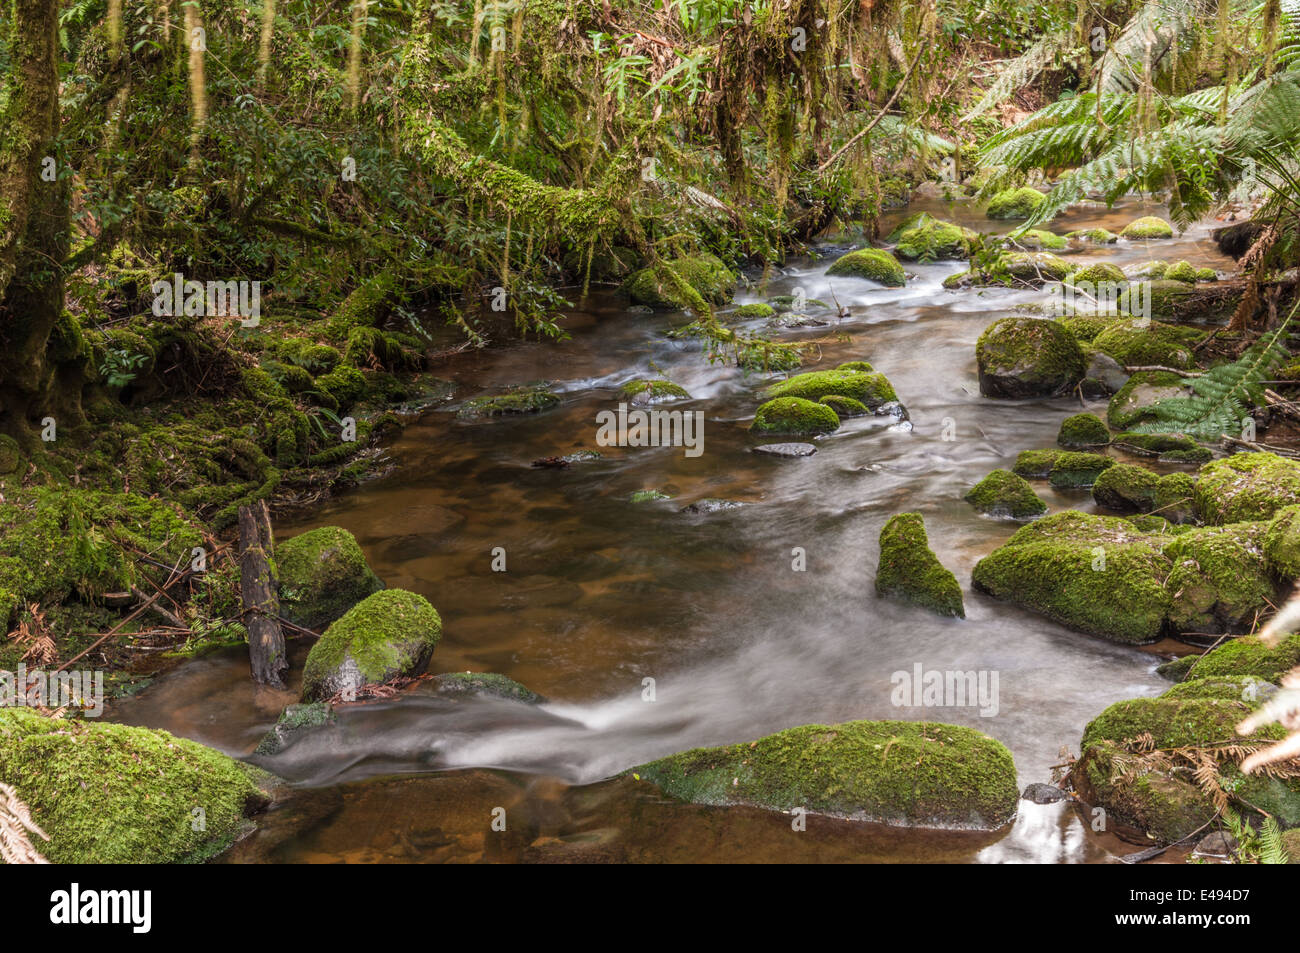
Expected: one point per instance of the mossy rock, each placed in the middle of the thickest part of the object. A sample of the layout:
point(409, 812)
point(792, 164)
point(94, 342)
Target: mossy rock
point(1033, 268)
point(1037, 238)
point(1168, 447)
point(794, 415)
point(1147, 227)
point(918, 774)
point(294, 722)
point(10, 454)
point(873, 263)
point(909, 570)
point(1243, 688)
point(643, 392)
point(1137, 341)
point(1015, 203)
point(322, 574)
point(526, 401)
point(481, 685)
point(845, 406)
point(867, 387)
point(1282, 543)
point(750, 311)
point(1241, 656)
point(863, 366)
point(1096, 574)
point(1174, 497)
point(114, 794)
point(1028, 357)
point(1035, 464)
point(1006, 494)
point(704, 276)
point(1220, 581)
point(343, 387)
point(783, 304)
point(1083, 430)
point(1085, 328)
point(1099, 274)
point(924, 238)
point(1127, 489)
point(1098, 236)
point(389, 634)
point(1153, 269)
point(767, 357)
point(1076, 470)
point(1132, 403)
point(1246, 486)
point(1181, 271)
point(1206, 274)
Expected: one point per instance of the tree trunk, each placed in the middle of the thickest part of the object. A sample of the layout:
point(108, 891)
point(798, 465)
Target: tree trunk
point(261, 601)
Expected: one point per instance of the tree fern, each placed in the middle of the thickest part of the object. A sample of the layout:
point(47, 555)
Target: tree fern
point(1024, 69)
point(1222, 397)
point(1150, 39)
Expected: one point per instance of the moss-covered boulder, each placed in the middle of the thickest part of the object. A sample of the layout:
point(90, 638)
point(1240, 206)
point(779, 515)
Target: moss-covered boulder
point(1167, 447)
point(867, 387)
point(528, 400)
point(704, 276)
point(1153, 269)
point(1028, 357)
point(909, 569)
point(873, 263)
point(1098, 274)
point(645, 392)
point(391, 633)
point(1003, 493)
point(1181, 271)
point(749, 312)
point(1073, 470)
point(1035, 464)
point(1132, 403)
point(1037, 238)
point(322, 575)
point(1083, 430)
point(1246, 486)
point(1028, 268)
point(1097, 574)
point(918, 774)
point(924, 238)
point(1098, 236)
point(1127, 489)
point(294, 722)
point(1282, 543)
point(1220, 581)
point(1241, 656)
point(845, 406)
point(1147, 227)
point(1136, 341)
point(113, 794)
point(794, 415)
point(1015, 203)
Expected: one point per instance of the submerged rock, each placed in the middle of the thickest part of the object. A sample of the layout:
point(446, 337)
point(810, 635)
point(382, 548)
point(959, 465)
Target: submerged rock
point(711, 505)
point(794, 415)
point(909, 569)
point(390, 634)
point(1003, 493)
point(1028, 357)
point(786, 449)
point(489, 684)
point(643, 392)
point(294, 722)
point(873, 263)
point(919, 774)
point(526, 401)
point(115, 794)
point(322, 574)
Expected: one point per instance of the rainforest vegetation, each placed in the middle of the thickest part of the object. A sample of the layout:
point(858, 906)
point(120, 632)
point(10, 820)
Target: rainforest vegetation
point(244, 244)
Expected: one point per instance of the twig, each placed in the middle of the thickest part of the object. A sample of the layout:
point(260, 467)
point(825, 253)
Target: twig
point(879, 116)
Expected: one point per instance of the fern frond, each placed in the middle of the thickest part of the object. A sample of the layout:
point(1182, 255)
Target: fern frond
point(1024, 69)
point(1149, 42)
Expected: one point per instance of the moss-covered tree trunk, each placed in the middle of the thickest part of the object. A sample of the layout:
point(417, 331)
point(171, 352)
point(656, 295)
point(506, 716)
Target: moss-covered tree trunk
point(33, 225)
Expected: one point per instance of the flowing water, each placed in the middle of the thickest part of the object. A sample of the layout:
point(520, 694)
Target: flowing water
point(600, 594)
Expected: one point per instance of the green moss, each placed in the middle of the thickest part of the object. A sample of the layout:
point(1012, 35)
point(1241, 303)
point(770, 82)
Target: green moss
point(1035, 464)
point(525, 401)
point(909, 569)
point(1174, 494)
point(1086, 328)
point(1206, 274)
point(1149, 226)
point(872, 389)
point(10, 454)
point(863, 366)
point(113, 794)
point(1245, 656)
point(1220, 582)
point(1097, 574)
point(794, 415)
point(1246, 486)
point(680, 283)
point(1078, 470)
point(294, 721)
point(1003, 493)
point(1282, 543)
point(1101, 273)
point(873, 263)
point(1171, 722)
point(1181, 271)
point(652, 392)
point(1100, 236)
point(1138, 342)
point(1083, 430)
point(488, 684)
point(766, 356)
point(845, 406)
point(897, 772)
point(1025, 268)
point(747, 311)
point(345, 385)
point(1038, 238)
point(1170, 448)
point(924, 238)
point(366, 306)
point(1132, 403)
point(1028, 357)
point(1165, 807)
point(323, 574)
point(1242, 688)
point(1127, 488)
point(390, 633)
point(1015, 203)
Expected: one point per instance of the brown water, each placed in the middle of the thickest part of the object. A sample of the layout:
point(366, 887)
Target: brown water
point(600, 594)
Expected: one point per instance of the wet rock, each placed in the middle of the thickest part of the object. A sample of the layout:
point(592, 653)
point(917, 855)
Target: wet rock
point(1083, 430)
point(867, 387)
point(923, 238)
point(640, 393)
point(1217, 844)
point(1075, 470)
point(526, 401)
point(294, 722)
point(1040, 793)
point(936, 775)
point(1099, 236)
point(909, 570)
point(1147, 227)
point(711, 505)
point(391, 633)
point(787, 449)
point(1132, 403)
point(480, 684)
point(1003, 493)
point(873, 263)
point(1282, 543)
point(1246, 486)
point(568, 460)
point(322, 574)
point(1015, 203)
point(1028, 357)
point(794, 415)
point(787, 322)
point(1035, 464)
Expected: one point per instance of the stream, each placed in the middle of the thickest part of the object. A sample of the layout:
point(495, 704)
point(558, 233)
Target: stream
point(601, 594)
